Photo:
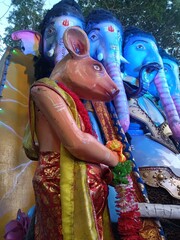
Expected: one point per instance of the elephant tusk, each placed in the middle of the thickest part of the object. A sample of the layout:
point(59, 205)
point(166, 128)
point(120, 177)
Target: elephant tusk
point(123, 59)
point(50, 53)
point(150, 210)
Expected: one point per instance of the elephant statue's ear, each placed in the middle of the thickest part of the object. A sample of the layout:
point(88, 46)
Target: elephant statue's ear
point(29, 41)
point(76, 42)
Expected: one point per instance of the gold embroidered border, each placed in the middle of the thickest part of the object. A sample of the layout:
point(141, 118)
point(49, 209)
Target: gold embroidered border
point(161, 177)
point(105, 120)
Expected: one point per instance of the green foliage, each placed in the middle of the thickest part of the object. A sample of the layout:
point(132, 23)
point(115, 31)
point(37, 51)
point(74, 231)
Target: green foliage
point(121, 171)
point(161, 18)
point(25, 15)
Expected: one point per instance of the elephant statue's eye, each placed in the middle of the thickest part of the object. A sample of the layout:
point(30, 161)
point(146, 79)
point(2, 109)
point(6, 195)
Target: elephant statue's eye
point(166, 67)
point(93, 37)
point(97, 67)
point(165, 70)
point(140, 47)
point(50, 31)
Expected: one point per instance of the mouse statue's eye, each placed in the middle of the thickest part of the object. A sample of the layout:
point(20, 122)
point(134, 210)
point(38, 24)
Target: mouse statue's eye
point(97, 67)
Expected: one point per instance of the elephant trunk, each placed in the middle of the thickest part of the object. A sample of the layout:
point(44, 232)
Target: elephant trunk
point(176, 99)
point(168, 104)
point(120, 101)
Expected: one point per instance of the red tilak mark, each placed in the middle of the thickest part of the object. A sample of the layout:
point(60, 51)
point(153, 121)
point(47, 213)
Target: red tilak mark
point(110, 29)
point(66, 22)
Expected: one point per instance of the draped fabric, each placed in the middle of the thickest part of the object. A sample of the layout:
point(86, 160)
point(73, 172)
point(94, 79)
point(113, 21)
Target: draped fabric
point(48, 207)
point(70, 195)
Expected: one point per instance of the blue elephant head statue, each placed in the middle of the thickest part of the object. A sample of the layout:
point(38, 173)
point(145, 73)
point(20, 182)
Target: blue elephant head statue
point(48, 46)
point(141, 51)
point(171, 69)
point(105, 34)
point(147, 73)
point(64, 14)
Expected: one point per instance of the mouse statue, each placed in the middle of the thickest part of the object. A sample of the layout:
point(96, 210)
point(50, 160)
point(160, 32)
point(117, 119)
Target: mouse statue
point(72, 175)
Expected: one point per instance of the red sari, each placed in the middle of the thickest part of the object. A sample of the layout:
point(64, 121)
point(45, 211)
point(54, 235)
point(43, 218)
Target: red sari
point(50, 189)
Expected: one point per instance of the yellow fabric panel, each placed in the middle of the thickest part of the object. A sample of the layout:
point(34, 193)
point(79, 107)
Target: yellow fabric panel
point(77, 210)
point(16, 170)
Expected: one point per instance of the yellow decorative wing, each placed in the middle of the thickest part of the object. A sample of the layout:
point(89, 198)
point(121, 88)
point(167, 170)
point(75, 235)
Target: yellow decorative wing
point(16, 170)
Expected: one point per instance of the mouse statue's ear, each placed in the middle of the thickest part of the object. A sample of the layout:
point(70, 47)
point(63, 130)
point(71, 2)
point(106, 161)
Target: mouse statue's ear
point(76, 42)
point(29, 41)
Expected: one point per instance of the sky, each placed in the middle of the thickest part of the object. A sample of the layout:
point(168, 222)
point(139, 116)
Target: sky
point(5, 7)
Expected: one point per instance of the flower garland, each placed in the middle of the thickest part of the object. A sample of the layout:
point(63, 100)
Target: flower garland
point(80, 108)
point(124, 167)
point(129, 223)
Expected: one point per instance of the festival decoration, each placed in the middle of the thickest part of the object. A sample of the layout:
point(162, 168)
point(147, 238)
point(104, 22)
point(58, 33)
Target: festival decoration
point(52, 50)
point(129, 223)
point(149, 121)
point(124, 167)
point(16, 74)
point(29, 41)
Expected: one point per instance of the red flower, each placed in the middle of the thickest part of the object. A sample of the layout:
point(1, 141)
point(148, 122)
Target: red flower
point(129, 225)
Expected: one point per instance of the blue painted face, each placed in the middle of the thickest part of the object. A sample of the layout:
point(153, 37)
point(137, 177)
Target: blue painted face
point(105, 42)
point(140, 51)
point(53, 46)
point(171, 70)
